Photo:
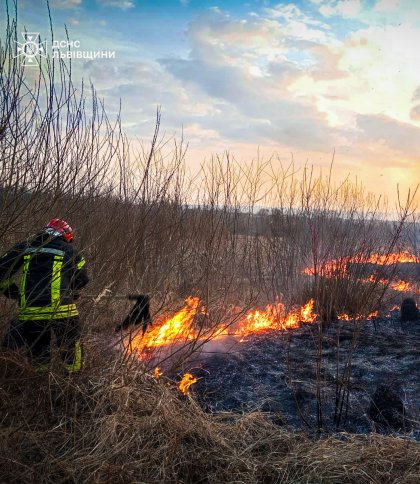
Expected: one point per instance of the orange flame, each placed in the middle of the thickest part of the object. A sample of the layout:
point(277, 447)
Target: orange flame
point(292, 320)
point(157, 372)
point(260, 320)
point(339, 266)
point(329, 268)
point(307, 312)
point(358, 317)
point(187, 380)
point(398, 285)
point(180, 328)
point(393, 258)
point(401, 286)
point(344, 317)
point(274, 316)
point(177, 328)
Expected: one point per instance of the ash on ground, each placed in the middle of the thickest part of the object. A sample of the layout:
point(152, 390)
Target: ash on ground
point(276, 372)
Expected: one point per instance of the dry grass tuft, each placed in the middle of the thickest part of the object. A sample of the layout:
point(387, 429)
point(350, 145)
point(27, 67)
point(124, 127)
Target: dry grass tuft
point(115, 423)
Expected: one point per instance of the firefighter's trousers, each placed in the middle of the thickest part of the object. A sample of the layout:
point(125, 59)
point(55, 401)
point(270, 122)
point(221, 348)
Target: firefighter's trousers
point(36, 336)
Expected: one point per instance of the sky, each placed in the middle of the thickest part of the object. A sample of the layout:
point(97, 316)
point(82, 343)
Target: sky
point(301, 79)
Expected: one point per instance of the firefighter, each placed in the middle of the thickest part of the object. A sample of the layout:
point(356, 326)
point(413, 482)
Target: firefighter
point(51, 274)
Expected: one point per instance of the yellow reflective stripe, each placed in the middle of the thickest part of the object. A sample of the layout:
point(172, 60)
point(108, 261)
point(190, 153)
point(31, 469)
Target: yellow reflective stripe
point(49, 309)
point(81, 263)
point(56, 280)
point(26, 260)
point(48, 312)
point(77, 363)
point(46, 317)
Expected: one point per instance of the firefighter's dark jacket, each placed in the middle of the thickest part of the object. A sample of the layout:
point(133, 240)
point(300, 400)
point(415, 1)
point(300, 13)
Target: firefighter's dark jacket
point(51, 272)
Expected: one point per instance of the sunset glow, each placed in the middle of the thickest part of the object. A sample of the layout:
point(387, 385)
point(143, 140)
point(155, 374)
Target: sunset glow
point(304, 78)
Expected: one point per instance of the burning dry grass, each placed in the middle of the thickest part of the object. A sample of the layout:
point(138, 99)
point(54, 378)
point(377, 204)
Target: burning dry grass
point(183, 327)
point(115, 423)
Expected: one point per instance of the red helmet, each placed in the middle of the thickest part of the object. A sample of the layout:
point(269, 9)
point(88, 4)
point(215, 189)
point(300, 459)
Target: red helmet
point(60, 228)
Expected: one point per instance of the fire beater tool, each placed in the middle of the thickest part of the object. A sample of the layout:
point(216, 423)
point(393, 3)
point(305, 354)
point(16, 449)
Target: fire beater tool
point(139, 313)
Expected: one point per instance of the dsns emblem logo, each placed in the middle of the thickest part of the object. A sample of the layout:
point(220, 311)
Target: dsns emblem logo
point(31, 48)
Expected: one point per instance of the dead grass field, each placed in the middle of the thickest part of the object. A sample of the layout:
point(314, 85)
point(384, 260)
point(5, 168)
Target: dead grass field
point(115, 424)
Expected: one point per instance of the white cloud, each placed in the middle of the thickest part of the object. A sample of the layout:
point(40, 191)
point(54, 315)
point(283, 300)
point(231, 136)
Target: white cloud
point(65, 3)
point(243, 66)
point(301, 30)
point(343, 8)
point(373, 72)
point(122, 4)
point(387, 5)
point(296, 24)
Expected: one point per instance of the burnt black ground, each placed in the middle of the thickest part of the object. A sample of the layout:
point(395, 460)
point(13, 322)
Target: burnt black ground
point(275, 372)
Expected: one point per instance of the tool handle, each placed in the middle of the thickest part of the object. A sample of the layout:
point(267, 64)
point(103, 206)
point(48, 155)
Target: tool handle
point(130, 297)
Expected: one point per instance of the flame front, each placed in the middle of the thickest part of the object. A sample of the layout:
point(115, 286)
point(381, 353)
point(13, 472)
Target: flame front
point(177, 328)
point(187, 380)
point(393, 258)
point(329, 268)
point(274, 316)
point(182, 326)
point(397, 285)
point(401, 286)
point(261, 319)
point(339, 267)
